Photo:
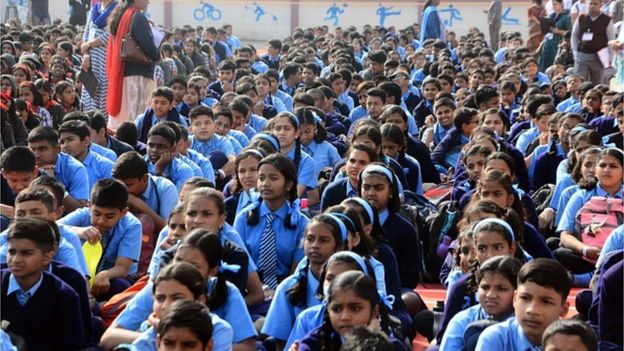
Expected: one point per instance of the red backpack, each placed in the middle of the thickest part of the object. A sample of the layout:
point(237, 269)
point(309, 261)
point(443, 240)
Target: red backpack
point(598, 218)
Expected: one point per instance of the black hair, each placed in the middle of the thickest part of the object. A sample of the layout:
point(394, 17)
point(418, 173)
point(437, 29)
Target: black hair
point(130, 165)
point(37, 230)
point(353, 223)
point(176, 127)
point(78, 128)
point(290, 69)
point(463, 115)
point(377, 56)
point(572, 327)
point(295, 123)
point(503, 156)
point(484, 94)
point(185, 274)
point(308, 116)
point(128, 133)
point(362, 338)
point(53, 185)
point(393, 133)
point(394, 203)
point(40, 194)
point(227, 65)
point(209, 245)
point(391, 89)
point(246, 153)
point(164, 131)
point(506, 266)
point(44, 133)
point(378, 92)
point(97, 121)
point(18, 159)
point(547, 273)
point(200, 110)
point(110, 193)
point(188, 314)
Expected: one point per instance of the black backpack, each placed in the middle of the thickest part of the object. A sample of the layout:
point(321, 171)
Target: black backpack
point(442, 229)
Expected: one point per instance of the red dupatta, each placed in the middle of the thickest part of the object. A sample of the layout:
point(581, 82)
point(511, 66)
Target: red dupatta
point(115, 65)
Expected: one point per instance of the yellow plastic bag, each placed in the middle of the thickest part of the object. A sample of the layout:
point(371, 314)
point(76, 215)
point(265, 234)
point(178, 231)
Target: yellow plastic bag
point(92, 254)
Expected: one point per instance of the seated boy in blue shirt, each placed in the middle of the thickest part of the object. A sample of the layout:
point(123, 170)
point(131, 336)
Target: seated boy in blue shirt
point(107, 220)
point(569, 334)
point(18, 171)
point(93, 145)
point(539, 300)
point(207, 142)
point(148, 194)
point(44, 142)
point(162, 109)
point(184, 150)
point(39, 306)
point(186, 323)
point(75, 138)
point(161, 160)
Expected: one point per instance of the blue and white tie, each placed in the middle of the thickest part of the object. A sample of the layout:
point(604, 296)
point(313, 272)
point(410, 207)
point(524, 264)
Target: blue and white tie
point(22, 297)
point(268, 253)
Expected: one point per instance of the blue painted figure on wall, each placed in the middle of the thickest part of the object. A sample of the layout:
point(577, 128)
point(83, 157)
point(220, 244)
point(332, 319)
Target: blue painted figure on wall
point(259, 11)
point(384, 12)
point(505, 19)
point(206, 11)
point(333, 13)
point(454, 15)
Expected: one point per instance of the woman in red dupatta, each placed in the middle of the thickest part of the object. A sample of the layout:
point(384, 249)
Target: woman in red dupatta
point(129, 84)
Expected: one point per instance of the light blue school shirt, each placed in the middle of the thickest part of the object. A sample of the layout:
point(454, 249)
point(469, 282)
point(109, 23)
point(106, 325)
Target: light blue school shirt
point(411, 90)
point(161, 195)
point(574, 108)
point(138, 122)
point(286, 99)
point(346, 99)
point(562, 184)
point(249, 131)
point(260, 66)
point(5, 342)
point(103, 151)
point(614, 242)
point(577, 201)
point(541, 78)
point(526, 138)
point(257, 123)
point(276, 103)
point(439, 132)
point(124, 238)
point(235, 144)
point(209, 101)
point(14, 286)
point(538, 152)
point(246, 198)
point(418, 76)
point(505, 336)
point(177, 171)
point(563, 105)
point(66, 254)
point(357, 113)
point(562, 169)
point(288, 241)
point(499, 56)
point(221, 336)
point(281, 316)
point(307, 173)
point(308, 320)
point(240, 137)
point(563, 200)
point(233, 42)
point(324, 154)
point(73, 175)
point(197, 172)
point(412, 128)
point(215, 143)
point(454, 335)
point(204, 164)
point(98, 167)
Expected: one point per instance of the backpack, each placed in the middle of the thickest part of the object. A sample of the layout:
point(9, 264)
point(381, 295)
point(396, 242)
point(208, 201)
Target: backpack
point(442, 229)
point(598, 218)
point(439, 193)
point(113, 307)
point(542, 196)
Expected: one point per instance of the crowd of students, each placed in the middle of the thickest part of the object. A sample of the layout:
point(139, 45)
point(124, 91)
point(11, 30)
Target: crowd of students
point(298, 200)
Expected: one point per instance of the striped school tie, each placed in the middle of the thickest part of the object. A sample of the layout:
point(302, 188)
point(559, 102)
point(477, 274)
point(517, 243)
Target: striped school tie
point(22, 297)
point(268, 254)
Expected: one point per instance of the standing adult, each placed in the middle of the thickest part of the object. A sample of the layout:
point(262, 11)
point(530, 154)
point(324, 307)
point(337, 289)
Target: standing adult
point(39, 12)
point(129, 84)
point(494, 17)
point(431, 26)
point(578, 8)
point(93, 48)
point(553, 38)
point(617, 46)
point(78, 12)
point(536, 11)
point(590, 34)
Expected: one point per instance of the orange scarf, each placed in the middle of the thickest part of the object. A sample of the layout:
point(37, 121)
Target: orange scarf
point(115, 65)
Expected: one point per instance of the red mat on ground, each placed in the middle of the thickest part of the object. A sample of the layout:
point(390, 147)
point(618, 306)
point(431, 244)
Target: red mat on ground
point(430, 293)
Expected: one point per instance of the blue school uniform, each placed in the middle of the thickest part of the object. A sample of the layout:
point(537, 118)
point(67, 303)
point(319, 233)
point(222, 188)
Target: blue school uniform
point(505, 336)
point(204, 164)
point(562, 169)
point(215, 143)
point(140, 121)
point(197, 172)
point(324, 154)
point(526, 138)
point(347, 100)
point(65, 254)
point(403, 238)
point(177, 171)
point(257, 123)
point(411, 169)
point(577, 201)
point(453, 338)
point(235, 144)
point(563, 105)
point(98, 167)
point(161, 195)
point(123, 240)
point(357, 113)
point(234, 311)
point(222, 333)
point(308, 320)
point(542, 168)
point(275, 102)
point(286, 99)
point(561, 185)
point(50, 319)
point(240, 137)
point(574, 108)
point(260, 66)
point(73, 175)
point(439, 132)
point(5, 342)
point(282, 313)
point(288, 241)
point(307, 173)
point(563, 200)
point(446, 154)
point(337, 191)
point(103, 151)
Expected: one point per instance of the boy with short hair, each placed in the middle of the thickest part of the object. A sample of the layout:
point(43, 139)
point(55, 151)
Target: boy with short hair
point(162, 109)
point(161, 160)
point(40, 307)
point(539, 121)
point(178, 86)
point(446, 154)
point(430, 88)
point(108, 221)
point(75, 139)
point(225, 82)
point(99, 149)
point(272, 57)
point(375, 101)
point(539, 300)
point(18, 171)
point(569, 334)
point(186, 323)
point(208, 143)
point(223, 123)
point(43, 141)
point(147, 194)
point(202, 162)
point(177, 131)
point(100, 136)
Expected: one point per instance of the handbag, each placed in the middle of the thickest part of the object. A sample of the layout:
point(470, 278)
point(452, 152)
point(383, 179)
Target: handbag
point(131, 51)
